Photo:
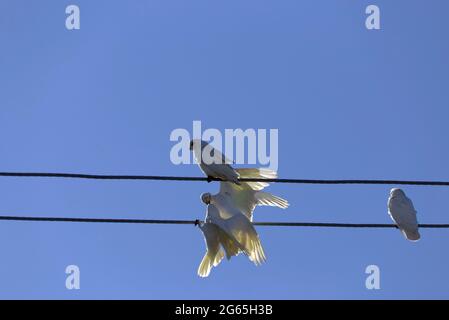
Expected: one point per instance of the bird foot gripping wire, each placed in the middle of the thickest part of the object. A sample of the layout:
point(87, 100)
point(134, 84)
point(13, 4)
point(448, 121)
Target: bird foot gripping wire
point(197, 222)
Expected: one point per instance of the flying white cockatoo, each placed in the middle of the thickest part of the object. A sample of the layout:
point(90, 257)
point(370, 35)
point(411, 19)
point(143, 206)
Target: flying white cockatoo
point(403, 213)
point(212, 162)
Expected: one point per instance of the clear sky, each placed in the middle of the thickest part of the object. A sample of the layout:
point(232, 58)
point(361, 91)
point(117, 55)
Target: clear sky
point(349, 103)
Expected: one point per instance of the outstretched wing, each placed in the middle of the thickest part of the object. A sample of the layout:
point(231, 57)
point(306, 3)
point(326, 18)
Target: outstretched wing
point(214, 254)
point(244, 236)
point(243, 231)
point(230, 247)
point(242, 199)
point(248, 195)
point(256, 173)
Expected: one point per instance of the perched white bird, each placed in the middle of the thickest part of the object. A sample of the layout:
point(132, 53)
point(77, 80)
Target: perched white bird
point(212, 162)
point(239, 230)
point(248, 195)
point(403, 213)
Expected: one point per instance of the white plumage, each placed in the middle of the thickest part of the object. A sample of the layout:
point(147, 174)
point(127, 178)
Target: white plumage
point(229, 214)
point(238, 229)
point(212, 162)
point(214, 254)
point(216, 241)
point(403, 213)
point(246, 196)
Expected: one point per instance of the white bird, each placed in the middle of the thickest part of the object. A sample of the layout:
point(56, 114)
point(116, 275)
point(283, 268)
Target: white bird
point(212, 162)
point(403, 213)
point(235, 235)
point(248, 195)
point(236, 227)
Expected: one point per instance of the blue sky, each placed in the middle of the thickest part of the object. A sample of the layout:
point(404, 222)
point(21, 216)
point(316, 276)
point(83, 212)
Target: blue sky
point(348, 103)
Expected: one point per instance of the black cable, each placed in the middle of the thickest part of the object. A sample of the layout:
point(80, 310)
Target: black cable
point(173, 178)
point(195, 222)
point(95, 220)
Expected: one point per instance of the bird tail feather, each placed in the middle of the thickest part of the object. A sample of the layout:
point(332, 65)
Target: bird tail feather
point(412, 235)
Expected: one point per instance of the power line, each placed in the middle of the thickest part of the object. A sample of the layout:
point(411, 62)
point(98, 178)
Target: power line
point(95, 220)
point(174, 178)
point(195, 222)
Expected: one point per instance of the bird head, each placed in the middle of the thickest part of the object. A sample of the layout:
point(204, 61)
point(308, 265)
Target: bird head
point(197, 142)
point(206, 198)
point(396, 192)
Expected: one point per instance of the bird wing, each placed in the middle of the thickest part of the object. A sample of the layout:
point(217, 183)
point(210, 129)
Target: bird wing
point(238, 227)
point(230, 247)
point(220, 157)
point(248, 195)
point(222, 171)
point(243, 232)
point(213, 163)
point(268, 199)
point(256, 173)
point(239, 196)
point(214, 254)
point(212, 155)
